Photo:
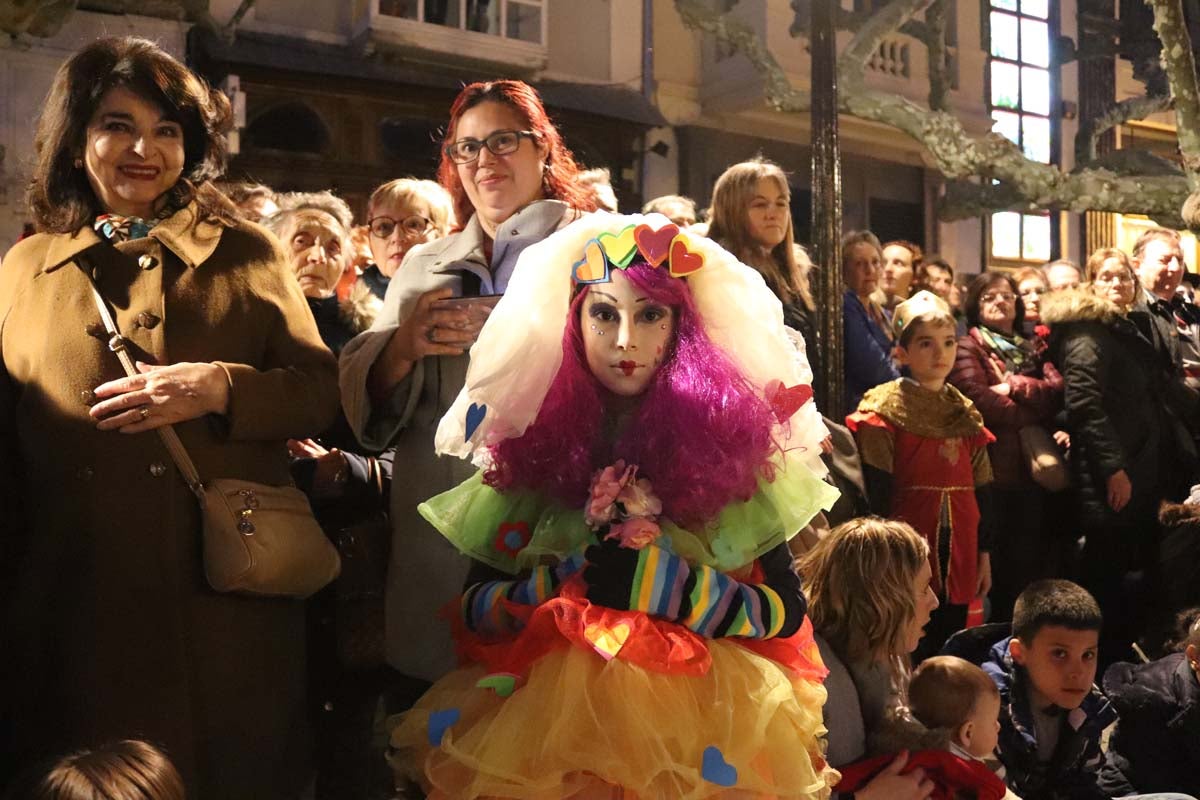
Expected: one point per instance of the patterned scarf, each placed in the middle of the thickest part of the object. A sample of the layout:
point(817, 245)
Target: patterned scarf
point(117, 228)
point(1015, 351)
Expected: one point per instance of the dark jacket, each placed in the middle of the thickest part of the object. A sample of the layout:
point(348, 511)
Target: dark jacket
point(1179, 555)
point(1156, 744)
point(108, 628)
point(1073, 772)
point(868, 351)
point(1034, 398)
point(1112, 391)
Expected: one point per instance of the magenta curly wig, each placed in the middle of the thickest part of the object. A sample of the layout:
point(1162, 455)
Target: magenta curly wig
point(701, 435)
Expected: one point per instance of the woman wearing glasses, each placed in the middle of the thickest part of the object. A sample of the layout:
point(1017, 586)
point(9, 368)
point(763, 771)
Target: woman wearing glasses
point(402, 214)
point(1113, 391)
point(512, 182)
point(1014, 388)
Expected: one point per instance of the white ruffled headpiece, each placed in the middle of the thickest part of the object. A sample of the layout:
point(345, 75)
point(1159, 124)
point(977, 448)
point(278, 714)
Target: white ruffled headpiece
point(519, 349)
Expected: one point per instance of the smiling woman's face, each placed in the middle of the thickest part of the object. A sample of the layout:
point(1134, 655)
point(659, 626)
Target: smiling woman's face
point(626, 335)
point(133, 153)
point(498, 186)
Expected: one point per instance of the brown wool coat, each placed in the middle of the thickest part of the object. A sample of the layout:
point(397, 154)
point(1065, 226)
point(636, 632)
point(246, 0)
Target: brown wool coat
point(108, 629)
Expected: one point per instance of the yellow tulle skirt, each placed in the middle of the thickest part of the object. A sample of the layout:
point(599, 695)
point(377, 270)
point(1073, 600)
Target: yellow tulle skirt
point(581, 726)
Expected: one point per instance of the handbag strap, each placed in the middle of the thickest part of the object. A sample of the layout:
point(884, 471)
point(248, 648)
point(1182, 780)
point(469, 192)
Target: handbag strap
point(120, 345)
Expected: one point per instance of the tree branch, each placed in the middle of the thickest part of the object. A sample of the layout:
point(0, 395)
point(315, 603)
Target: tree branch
point(874, 30)
point(952, 150)
point(847, 21)
point(777, 89)
point(1091, 130)
point(935, 43)
point(1180, 67)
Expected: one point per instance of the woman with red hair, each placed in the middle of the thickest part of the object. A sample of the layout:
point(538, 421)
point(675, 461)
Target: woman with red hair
point(513, 183)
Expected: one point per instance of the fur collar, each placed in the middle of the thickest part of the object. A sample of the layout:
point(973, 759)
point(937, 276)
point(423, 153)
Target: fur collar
point(1077, 305)
point(359, 309)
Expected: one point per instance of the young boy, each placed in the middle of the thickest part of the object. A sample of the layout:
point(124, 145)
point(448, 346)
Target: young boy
point(925, 461)
point(1051, 716)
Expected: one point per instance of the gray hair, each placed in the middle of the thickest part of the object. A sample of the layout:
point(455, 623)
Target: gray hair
point(327, 202)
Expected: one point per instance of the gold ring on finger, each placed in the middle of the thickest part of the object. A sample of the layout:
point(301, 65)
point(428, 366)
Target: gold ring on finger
point(145, 412)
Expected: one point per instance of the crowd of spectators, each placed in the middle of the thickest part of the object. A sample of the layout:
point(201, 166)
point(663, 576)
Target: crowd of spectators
point(287, 341)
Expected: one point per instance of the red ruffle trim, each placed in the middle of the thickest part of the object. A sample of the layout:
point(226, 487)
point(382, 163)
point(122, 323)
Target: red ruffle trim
point(651, 643)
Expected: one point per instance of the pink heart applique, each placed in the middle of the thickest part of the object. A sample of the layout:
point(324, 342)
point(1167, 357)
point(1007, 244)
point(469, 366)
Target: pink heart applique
point(655, 244)
point(787, 400)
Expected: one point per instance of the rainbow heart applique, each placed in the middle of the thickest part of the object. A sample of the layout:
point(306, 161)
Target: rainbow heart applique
point(607, 640)
point(620, 247)
point(593, 267)
point(655, 244)
point(683, 261)
point(786, 400)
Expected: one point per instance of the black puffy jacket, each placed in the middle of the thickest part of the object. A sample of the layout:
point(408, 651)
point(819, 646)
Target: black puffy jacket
point(1112, 393)
point(1156, 744)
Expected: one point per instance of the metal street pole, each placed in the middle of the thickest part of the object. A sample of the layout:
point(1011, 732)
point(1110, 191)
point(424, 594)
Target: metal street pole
point(827, 208)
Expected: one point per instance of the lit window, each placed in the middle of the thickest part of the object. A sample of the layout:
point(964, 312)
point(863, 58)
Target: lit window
point(521, 20)
point(1020, 100)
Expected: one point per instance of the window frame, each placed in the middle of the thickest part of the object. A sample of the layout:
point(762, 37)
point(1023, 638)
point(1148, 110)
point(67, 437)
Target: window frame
point(1053, 117)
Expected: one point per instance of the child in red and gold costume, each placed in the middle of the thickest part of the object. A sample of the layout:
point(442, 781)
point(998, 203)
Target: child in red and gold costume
point(924, 452)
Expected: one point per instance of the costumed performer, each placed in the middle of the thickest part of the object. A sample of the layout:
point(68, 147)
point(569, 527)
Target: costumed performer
point(633, 626)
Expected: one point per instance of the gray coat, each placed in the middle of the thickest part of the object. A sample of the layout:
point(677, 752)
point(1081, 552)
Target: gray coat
point(426, 572)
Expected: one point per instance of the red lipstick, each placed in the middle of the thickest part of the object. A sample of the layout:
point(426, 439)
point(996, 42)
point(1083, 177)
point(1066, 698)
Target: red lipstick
point(627, 367)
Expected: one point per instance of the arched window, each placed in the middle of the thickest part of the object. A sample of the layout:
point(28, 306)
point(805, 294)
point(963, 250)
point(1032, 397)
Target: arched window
point(291, 127)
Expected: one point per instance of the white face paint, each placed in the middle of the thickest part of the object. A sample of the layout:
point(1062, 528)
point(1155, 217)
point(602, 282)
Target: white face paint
point(626, 335)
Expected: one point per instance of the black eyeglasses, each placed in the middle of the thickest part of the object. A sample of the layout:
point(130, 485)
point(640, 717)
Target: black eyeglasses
point(500, 143)
point(412, 227)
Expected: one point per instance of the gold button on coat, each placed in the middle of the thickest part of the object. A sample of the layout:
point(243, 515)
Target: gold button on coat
point(147, 262)
point(147, 320)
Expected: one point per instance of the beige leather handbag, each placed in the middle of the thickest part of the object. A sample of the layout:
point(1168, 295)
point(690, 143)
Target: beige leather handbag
point(258, 539)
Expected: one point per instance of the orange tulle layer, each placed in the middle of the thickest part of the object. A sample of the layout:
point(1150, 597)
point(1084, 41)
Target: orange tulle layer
point(652, 644)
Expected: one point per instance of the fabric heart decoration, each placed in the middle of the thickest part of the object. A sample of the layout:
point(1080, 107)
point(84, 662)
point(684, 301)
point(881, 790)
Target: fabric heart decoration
point(683, 261)
point(502, 683)
point(605, 639)
point(715, 769)
point(475, 414)
point(593, 267)
point(786, 400)
point(440, 722)
point(620, 247)
point(655, 244)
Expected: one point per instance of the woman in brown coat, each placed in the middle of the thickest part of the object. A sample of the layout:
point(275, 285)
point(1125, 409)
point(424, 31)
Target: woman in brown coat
point(108, 629)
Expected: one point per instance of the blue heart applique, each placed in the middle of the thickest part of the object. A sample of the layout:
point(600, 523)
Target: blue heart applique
point(475, 414)
point(716, 770)
point(440, 722)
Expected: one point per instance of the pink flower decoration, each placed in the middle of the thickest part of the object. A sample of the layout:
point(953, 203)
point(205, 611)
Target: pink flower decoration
point(606, 486)
point(1041, 331)
point(638, 499)
point(635, 533)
